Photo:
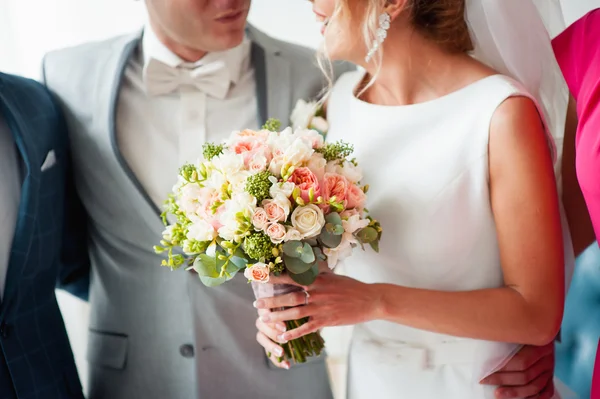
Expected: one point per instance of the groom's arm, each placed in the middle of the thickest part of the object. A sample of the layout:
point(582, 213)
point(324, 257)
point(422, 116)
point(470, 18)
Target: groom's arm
point(74, 268)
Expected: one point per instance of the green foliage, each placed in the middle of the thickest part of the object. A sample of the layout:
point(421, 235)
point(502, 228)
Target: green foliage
point(258, 185)
point(272, 125)
point(258, 246)
point(337, 151)
point(308, 277)
point(210, 150)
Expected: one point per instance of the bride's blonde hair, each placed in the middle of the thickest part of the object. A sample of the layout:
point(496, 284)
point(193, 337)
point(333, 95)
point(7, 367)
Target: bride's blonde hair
point(442, 21)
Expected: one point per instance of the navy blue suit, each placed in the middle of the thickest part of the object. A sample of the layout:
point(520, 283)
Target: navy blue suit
point(49, 247)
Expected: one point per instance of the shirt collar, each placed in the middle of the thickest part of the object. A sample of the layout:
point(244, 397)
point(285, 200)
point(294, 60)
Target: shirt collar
point(237, 59)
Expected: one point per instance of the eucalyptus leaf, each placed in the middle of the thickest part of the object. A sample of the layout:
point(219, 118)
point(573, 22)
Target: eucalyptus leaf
point(295, 265)
point(240, 263)
point(338, 230)
point(334, 218)
point(293, 249)
point(308, 256)
point(367, 235)
point(319, 254)
point(206, 266)
point(330, 240)
point(311, 241)
point(308, 277)
point(213, 282)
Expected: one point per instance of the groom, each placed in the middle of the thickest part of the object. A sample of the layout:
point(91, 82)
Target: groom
point(138, 107)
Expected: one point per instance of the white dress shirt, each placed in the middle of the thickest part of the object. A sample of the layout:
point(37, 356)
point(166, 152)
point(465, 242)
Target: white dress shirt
point(157, 134)
point(10, 195)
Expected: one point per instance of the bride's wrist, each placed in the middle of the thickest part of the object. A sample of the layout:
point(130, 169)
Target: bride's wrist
point(378, 308)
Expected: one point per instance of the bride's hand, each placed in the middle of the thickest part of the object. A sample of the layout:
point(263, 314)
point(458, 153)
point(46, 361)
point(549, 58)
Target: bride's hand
point(331, 301)
point(267, 336)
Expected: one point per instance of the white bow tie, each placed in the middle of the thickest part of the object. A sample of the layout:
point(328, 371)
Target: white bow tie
point(212, 79)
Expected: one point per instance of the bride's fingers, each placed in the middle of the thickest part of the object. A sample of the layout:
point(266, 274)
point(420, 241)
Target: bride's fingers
point(270, 330)
point(296, 313)
point(283, 279)
point(288, 300)
point(301, 331)
point(270, 346)
point(282, 365)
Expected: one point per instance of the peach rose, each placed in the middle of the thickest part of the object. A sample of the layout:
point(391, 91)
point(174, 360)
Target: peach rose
point(356, 197)
point(276, 232)
point(260, 219)
point(335, 185)
point(249, 148)
point(305, 179)
point(275, 212)
point(258, 272)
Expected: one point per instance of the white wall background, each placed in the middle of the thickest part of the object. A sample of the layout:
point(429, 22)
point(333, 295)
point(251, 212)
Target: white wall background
point(30, 28)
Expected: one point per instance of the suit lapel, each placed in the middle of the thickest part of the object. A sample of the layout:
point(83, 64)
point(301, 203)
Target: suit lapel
point(273, 81)
point(24, 231)
point(117, 67)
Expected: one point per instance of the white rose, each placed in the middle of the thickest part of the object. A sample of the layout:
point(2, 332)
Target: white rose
point(308, 220)
point(292, 235)
point(320, 124)
point(303, 113)
point(276, 232)
point(297, 153)
point(200, 230)
point(284, 189)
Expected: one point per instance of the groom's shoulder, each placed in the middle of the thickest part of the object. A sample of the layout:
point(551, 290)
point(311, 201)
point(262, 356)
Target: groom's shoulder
point(302, 59)
point(82, 61)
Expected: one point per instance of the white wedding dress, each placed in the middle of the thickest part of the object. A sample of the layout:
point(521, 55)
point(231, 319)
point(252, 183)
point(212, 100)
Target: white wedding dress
point(427, 168)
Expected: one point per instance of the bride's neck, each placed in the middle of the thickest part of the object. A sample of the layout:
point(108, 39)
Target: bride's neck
point(413, 70)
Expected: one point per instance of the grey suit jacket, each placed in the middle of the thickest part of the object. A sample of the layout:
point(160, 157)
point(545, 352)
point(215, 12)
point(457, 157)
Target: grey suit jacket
point(145, 340)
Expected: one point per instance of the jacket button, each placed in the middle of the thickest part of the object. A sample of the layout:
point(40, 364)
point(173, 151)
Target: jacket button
point(186, 351)
point(4, 330)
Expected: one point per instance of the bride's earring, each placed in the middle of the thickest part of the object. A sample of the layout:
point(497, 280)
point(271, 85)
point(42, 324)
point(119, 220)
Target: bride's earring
point(384, 24)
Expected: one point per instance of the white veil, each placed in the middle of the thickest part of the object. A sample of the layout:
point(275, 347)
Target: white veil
point(513, 37)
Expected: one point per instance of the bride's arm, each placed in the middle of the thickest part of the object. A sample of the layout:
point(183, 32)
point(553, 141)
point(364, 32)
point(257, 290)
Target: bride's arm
point(527, 310)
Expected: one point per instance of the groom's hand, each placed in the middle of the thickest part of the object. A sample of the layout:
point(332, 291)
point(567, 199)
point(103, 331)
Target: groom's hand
point(529, 374)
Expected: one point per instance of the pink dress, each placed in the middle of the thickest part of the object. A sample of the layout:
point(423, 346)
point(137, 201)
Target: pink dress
point(578, 53)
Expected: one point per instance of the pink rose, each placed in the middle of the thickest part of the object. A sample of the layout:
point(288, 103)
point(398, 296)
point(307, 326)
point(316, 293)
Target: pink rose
point(356, 197)
point(274, 211)
point(260, 219)
point(258, 272)
point(305, 179)
point(335, 185)
point(249, 148)
point(276, 232)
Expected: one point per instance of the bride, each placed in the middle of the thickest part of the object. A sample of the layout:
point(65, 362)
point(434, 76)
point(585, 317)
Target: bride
point(460, 161)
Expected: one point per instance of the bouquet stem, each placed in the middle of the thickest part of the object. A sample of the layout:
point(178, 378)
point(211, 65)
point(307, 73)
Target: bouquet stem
point(297, 350)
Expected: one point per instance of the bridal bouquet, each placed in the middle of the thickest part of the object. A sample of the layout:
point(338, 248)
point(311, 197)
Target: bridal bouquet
point(265, 203)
